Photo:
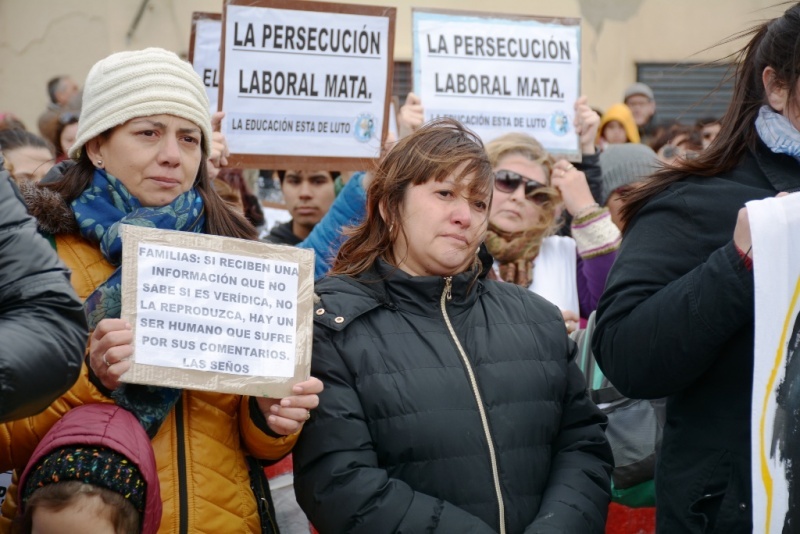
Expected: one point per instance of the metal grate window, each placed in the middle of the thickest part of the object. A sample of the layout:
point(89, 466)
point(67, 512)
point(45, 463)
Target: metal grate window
point(401, 80)
point(686, 92)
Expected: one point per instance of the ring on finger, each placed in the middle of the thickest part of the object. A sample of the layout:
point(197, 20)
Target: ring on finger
point(105, 361)
point(308, 415)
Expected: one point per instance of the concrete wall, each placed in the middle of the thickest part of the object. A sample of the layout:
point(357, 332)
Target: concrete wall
point(42, 38)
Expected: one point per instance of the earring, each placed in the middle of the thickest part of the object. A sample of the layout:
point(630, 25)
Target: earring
point(391, 229)
point(100, 163)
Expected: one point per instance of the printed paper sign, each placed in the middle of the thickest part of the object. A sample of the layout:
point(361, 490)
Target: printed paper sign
point(204, 53)
point(216, 313)
point(774, 225)
point(498, 75)
point(303, 81)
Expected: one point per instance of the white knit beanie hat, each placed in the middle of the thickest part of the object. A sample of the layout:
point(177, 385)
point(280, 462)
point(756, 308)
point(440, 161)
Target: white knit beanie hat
point(127, 85)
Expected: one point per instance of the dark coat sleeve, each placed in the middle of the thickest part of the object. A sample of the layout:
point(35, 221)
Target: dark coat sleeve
point(677, 292)
point(579, 487)
point(338, 482)
point(42, 324)
point(590, 165)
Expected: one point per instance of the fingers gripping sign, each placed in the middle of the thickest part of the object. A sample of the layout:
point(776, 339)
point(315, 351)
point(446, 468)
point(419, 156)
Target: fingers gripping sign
point(110, 351)
point(411, 116)
point(287, 416)
point(218, 157)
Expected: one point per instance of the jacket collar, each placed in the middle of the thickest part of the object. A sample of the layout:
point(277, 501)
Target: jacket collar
point(344, 298)
point(53, 215)
point(782, 171)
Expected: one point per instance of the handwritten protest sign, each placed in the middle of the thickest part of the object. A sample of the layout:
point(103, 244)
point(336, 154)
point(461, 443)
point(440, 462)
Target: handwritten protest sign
point(305, 85)
point(499, 73)
point(204, 52)
point(775, 427)
point(216, 313)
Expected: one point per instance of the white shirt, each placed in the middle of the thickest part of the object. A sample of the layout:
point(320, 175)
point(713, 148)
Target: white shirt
point(555, 273)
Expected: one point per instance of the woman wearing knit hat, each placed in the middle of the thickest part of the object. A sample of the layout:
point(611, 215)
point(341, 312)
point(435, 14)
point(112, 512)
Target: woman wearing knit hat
point(94, 471)
point(623, 166)
point(141, 158)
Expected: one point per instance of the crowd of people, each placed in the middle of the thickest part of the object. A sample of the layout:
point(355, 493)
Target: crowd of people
point(463, 292)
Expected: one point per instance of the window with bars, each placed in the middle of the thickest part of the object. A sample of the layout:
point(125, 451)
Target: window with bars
point(686, 92)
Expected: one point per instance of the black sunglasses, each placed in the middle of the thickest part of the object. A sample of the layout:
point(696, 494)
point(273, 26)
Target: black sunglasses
point(508, 182)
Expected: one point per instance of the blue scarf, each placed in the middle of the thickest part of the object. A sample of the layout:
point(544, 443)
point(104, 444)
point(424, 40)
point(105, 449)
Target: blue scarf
point(778, 133)
point(99, 211)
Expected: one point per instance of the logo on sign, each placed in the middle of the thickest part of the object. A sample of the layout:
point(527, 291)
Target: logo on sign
point(559, 123)
point(364, 127)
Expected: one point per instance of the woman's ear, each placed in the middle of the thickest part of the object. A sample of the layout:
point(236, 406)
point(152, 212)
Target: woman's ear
point(382, 211)
point(777, 93)
point(93, 149)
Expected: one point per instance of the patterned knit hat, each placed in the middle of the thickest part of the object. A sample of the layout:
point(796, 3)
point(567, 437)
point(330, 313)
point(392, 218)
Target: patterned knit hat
point(91, 465)
point(127, 85)
point(625, 164)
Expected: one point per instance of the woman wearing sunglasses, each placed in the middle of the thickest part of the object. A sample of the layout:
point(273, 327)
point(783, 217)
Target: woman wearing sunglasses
point(530, 192)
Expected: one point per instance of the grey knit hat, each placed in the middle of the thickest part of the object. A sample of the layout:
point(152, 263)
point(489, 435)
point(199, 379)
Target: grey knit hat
point(625, 164)
point(638, 88)
point(141, 83)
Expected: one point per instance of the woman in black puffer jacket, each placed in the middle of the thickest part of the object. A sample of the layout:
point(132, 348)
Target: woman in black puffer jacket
point(451, 402)
point(42, 326)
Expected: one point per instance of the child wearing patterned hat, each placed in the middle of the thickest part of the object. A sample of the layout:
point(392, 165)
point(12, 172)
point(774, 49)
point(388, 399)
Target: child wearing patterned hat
point(93, 472)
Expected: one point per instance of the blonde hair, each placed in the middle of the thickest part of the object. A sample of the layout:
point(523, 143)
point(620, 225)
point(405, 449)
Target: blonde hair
point(516, 143)
point(524, 145)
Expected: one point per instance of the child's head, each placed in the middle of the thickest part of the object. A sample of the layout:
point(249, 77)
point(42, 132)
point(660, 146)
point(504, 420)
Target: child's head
point(77, 507)
point(94, 471)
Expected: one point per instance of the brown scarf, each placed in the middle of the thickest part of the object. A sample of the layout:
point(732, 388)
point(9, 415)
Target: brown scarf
point(515, 252)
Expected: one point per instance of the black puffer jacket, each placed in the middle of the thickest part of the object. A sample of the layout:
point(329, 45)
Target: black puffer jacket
point(42, 325)
point(398, 443)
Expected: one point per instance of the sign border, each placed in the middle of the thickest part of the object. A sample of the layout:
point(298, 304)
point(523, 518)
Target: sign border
point(310, 163)
point(576, 156)
point(260, 386)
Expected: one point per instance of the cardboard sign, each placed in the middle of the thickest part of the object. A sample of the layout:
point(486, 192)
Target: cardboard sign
point(204, 52)
point(305, 85)
point(499, 73)
point(215, 313)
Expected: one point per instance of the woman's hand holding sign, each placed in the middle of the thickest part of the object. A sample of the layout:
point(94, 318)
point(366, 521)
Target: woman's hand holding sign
point(286, 416)
point(110, 350)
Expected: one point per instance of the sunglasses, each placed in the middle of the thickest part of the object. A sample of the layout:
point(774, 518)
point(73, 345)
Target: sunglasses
point(508, 182)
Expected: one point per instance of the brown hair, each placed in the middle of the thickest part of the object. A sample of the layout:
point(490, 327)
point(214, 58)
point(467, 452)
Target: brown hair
point(775, 44)
point(220, 218)
point(434, 152)
point(515, 143)
point(56, 497)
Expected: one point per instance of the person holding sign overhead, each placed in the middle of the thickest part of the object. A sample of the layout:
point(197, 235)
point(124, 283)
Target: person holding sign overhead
point(141, 158)
point(451, 401)
point(529, 191)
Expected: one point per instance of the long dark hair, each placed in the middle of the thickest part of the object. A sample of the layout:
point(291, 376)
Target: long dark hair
point(433, 152)
point(220, 218)
point(775, 44)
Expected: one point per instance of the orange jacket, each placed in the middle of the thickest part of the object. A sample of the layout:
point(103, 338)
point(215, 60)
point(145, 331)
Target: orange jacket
point(200, 448)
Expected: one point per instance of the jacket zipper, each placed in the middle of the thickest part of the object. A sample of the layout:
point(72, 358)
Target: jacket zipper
point(183, 497)
point(447, 295)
